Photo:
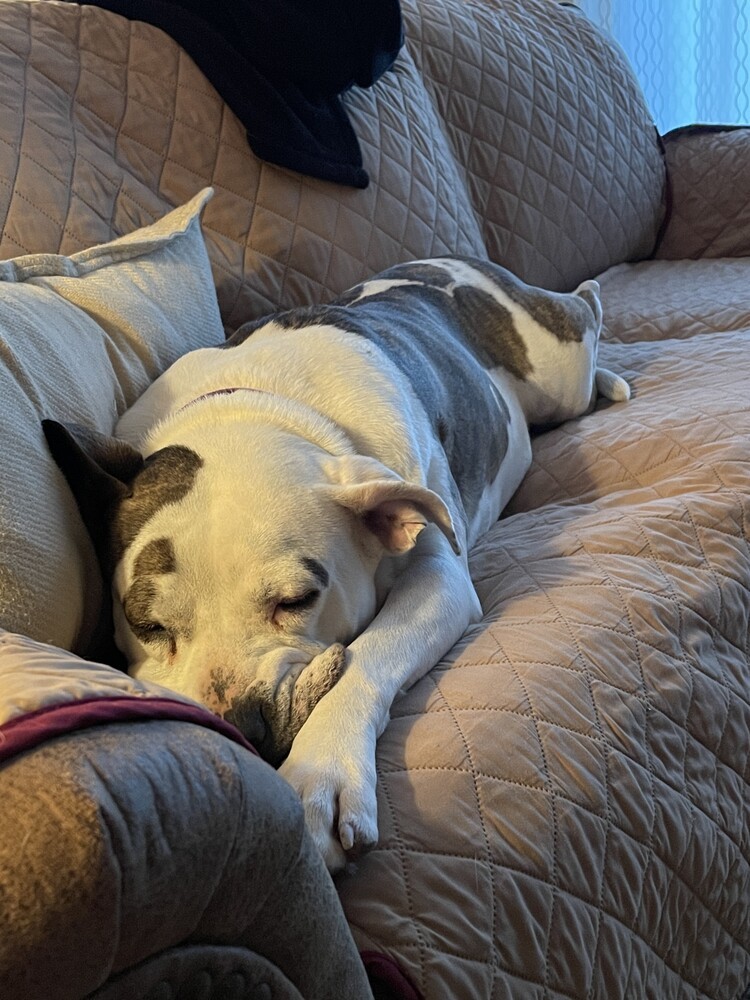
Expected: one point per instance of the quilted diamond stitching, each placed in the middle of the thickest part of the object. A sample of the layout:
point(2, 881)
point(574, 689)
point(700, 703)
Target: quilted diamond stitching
point(418, 204)
point(668, 713)
point(683, 305)
point(604, 177)
point(413, 208)
point(710, 204)
point(648, 812)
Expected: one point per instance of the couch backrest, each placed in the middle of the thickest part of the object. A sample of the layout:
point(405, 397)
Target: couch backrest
point(506, 127)
point(562, 161)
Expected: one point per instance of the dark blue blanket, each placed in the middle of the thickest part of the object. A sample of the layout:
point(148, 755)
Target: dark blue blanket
point(281, 66)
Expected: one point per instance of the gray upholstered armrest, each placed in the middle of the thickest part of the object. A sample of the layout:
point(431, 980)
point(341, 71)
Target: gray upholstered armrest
point(164, 848)
point(708, 168)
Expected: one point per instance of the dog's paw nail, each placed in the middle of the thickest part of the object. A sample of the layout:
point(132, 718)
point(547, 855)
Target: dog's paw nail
point(346, 836)
point(334, 858)
point(357, 839)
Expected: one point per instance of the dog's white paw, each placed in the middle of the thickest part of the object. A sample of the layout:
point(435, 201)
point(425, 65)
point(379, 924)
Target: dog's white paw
point(335, 779)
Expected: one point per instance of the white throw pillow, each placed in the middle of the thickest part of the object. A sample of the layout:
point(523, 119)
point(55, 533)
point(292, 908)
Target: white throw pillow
point(81, 337)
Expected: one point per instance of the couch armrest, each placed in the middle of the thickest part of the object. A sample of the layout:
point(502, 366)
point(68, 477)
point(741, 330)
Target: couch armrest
point(708, 171)
point(125, 844)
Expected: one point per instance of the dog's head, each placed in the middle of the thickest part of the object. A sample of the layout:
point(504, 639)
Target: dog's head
point(242, 560)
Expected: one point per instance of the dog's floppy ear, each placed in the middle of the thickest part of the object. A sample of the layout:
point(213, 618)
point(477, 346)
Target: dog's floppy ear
point(394, 510)
point(98, 469)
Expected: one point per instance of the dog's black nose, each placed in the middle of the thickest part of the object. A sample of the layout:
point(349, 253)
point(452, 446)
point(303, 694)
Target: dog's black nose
point(247, 716)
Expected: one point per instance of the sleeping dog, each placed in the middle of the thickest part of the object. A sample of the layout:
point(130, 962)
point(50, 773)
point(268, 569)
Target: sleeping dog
point(288, 515)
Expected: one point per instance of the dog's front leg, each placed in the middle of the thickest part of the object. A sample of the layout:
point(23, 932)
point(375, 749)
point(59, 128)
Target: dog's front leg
point(332, 761)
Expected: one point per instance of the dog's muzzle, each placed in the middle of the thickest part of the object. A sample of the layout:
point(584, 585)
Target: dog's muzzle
point(271, 716)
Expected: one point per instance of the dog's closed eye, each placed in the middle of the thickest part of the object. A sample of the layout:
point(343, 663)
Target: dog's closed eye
point(296, 605)
point(153, 631)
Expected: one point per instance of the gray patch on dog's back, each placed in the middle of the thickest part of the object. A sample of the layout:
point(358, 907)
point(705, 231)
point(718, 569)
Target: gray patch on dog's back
point(241, 334)
point(487, 326)
point(156, 557)
point(566, 317)
point(492, 332)
point(422, 329)
point(166, 477)
point(443, 332)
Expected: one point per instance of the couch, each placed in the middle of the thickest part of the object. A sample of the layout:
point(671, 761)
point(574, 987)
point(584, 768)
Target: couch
point(564, 800)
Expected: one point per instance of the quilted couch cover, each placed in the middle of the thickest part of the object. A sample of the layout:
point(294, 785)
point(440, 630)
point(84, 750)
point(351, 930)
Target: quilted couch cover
point(506, 125)
point(564, 801)
point(572, 781)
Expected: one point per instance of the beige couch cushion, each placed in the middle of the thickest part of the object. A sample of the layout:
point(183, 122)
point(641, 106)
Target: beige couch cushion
point(709, 202)
point(659, 299)
point(119, 125)
point(80, 338)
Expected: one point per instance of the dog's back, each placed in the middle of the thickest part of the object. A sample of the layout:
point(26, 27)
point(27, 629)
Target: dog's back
point(458, 329)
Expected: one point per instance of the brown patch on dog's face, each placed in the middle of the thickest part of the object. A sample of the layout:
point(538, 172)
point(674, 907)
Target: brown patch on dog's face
point(138, 607)
point(156, 557)
point(139, 603)
point(166, 477)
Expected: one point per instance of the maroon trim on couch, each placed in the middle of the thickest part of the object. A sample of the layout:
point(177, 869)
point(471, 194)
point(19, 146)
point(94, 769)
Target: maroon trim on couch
point(383, 971)
point(30, 730)
point(667, 195)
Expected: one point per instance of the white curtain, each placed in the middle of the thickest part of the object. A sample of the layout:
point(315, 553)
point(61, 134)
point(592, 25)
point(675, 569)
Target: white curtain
point(692, 56)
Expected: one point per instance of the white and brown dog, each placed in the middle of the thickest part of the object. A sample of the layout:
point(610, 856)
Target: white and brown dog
point(288, 514)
